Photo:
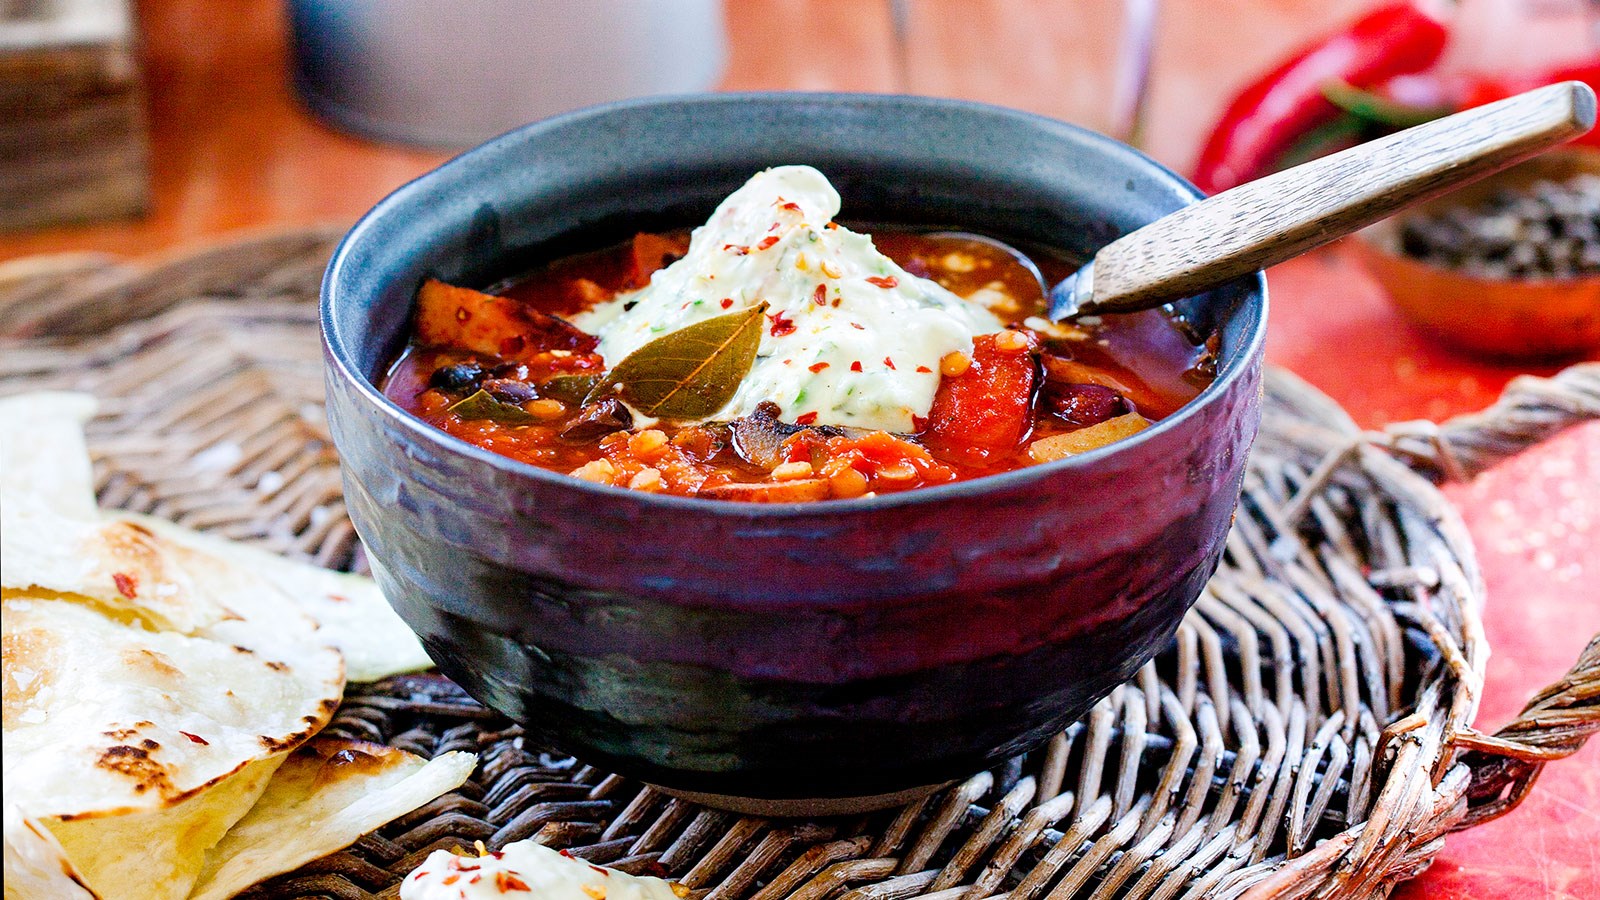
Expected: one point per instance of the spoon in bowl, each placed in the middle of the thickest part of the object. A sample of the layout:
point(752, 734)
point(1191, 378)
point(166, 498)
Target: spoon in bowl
point(1272, 219)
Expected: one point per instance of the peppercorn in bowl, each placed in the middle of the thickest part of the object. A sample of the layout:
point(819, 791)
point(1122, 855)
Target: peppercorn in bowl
point(809, 652)
point(1507, 267)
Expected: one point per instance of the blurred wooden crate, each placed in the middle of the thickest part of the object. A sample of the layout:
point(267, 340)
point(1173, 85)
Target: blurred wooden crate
point(73, 143)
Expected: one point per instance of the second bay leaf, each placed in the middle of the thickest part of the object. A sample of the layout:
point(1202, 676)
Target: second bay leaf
point(483, 405)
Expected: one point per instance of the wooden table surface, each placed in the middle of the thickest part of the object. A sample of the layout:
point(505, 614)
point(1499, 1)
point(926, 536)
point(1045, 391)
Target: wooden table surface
point(232, 150)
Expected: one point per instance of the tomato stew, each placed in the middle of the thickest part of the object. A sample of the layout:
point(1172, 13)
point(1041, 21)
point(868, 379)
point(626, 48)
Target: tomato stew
point(507, 372)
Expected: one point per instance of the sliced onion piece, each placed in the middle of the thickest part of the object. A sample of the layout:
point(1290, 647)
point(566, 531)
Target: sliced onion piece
point(1083, 440)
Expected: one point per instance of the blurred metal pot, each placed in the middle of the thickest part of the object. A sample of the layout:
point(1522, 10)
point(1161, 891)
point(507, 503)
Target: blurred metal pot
point(454, 73)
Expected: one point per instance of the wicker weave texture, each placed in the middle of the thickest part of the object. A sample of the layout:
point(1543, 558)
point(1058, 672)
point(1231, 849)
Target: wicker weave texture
point(1305, 736)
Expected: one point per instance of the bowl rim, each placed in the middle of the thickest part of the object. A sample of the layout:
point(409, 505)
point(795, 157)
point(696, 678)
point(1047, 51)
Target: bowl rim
point(338, 351)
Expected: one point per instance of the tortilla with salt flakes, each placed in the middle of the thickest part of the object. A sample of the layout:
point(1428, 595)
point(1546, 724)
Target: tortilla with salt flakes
point(52, 537)
point(36, 867)
point(43, 458)
point(350, 612)
point(118, 565)
point(140, 748)
point(155, 680)
point(326, 795)
point(158, 855)
point(103, 718)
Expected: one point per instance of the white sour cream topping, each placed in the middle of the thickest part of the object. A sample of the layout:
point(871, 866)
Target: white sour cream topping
point(525, 869)
point(862, 352)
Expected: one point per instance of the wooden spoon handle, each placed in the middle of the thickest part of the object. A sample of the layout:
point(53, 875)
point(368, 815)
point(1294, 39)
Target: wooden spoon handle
point(1281, 216)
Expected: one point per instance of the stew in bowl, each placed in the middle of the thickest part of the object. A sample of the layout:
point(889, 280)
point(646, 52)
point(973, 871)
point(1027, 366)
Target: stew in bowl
point(773, 355)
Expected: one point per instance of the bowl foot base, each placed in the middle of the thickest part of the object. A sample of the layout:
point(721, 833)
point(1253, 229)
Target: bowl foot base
point(822, 806)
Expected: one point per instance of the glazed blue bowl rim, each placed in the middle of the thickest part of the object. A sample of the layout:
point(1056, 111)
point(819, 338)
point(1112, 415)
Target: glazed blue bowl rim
point(334, 278)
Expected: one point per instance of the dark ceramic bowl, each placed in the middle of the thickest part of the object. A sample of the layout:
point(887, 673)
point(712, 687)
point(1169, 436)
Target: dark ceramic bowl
point(842, 649)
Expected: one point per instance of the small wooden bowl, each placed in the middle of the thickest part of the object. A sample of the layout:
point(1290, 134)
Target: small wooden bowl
point(1490, 316)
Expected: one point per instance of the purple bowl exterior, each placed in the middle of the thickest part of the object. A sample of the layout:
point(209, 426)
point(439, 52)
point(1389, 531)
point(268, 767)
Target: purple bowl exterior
point(824, 650)
point(831, 655)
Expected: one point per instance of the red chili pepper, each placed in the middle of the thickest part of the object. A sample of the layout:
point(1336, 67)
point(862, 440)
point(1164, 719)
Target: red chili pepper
point(1271, 114)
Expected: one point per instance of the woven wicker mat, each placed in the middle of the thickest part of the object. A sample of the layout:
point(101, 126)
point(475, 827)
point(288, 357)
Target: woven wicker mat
point(1307, 735)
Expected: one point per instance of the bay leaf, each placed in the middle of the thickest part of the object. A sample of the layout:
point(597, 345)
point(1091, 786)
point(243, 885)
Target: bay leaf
point(483, 405)
point(689, 373)
point(569, 388)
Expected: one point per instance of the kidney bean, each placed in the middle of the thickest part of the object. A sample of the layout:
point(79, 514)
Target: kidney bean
point(507, 390)
point(1084, 404)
